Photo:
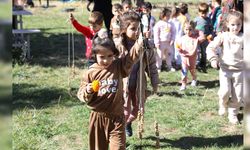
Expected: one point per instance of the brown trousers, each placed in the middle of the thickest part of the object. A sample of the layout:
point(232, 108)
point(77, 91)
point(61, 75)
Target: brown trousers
point(106, 130)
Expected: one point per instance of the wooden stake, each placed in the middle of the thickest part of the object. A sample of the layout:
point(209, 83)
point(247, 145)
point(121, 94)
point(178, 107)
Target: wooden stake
point(139, 126)
point(157, 144)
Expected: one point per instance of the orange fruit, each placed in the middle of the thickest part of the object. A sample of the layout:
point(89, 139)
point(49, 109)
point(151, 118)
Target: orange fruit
point(209, 37)
point(95, 85)
point(178, 46)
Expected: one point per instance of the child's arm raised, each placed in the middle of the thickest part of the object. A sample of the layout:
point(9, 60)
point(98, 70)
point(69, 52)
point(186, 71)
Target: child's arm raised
point(80, 28)
point(132, 57)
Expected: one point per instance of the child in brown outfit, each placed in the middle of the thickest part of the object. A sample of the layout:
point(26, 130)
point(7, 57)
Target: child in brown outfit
point(107, 122)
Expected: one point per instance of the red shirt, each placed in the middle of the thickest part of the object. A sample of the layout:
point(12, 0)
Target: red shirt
point(88, 33)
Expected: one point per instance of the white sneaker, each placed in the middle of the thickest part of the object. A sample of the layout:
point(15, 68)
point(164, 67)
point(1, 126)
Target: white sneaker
point(233, 119)
point(193, 83)
point(183, 87)
point(172, 70)
point(222, 111)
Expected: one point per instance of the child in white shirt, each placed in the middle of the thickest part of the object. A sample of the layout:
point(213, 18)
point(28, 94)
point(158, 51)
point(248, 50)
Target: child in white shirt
point(148, 22)
point(164, 32)
point(230, 62)
point(117, 10)
point(178, 34)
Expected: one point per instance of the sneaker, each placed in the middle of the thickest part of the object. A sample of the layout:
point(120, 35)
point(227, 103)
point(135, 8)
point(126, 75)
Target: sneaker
point(193, 83)
point(128, 129)
point(204, 70)
point(172, 70)
point(183, 87)
point(233, 119)
point(222, 111)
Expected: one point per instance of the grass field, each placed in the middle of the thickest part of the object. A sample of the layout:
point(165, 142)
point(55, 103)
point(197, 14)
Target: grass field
point(47, 114)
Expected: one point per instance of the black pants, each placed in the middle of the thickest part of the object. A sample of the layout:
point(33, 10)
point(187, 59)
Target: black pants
point(105, 7)
point(203, 55)
point(30, 3)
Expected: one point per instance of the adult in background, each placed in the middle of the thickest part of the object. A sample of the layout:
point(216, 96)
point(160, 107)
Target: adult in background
point(105, 7)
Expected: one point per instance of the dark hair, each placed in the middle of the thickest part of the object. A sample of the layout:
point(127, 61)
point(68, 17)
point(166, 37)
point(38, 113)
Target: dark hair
point(191, 24)
point(126, 19)
point(95, 18)
point(126, 2)
point(183, 8)
point(217, 1)
point(164, 13)
point(147, 5)
point(203, 8)
point(106, 42)
point(174, 12)
point(117, 6)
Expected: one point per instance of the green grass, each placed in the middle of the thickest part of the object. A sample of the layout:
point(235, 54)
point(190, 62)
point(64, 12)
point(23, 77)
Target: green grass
point(47, 114)
point(5, 11)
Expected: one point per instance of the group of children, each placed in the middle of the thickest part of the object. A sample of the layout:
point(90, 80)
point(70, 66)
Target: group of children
point(114, 87)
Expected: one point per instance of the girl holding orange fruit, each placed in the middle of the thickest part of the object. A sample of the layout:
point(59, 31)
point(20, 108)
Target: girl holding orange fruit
point(187, 47)
point(102, 90)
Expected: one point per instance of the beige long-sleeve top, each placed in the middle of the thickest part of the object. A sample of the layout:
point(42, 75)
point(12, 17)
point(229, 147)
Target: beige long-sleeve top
point(231, 55)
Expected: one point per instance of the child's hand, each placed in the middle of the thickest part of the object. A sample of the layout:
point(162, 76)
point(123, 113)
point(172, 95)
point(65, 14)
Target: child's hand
point(157, 47)
point(72, 18)
point(184, 53)
point(140, 39)
point(93, 87)
point(147, 34)
point(181, 50)
point(178, 46)
point(89, 88)
point(88, 5)
point(214, 64)
point(209, 37)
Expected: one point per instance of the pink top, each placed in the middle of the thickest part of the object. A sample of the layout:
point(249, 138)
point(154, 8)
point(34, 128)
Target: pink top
point(163, 31)
point(188, 46)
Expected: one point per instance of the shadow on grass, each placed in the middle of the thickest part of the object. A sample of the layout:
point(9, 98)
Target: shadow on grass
point(204, 84)
point(44, 30)
point(170, 83)
point(32, 96)
point(178, 94)
point(209, 84)
point(197, 142)
point(51, 49)
point(173, 93)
